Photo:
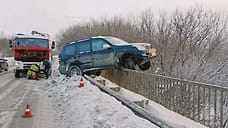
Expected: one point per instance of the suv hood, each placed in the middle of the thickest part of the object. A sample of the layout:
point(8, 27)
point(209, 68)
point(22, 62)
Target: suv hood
point(146, 48)
point(142, 46)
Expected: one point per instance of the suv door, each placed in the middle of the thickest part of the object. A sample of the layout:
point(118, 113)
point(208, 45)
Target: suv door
point(66, 55)
point(103, 54)
point(84, 54)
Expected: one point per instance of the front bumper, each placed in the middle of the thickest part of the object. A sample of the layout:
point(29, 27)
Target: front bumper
point(19, 65)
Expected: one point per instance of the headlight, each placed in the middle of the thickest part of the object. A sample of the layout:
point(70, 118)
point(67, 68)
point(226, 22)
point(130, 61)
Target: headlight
point(16, 63)
point(152, 52)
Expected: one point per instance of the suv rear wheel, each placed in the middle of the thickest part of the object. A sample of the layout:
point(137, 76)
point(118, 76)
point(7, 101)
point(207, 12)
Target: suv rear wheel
point(74, 70)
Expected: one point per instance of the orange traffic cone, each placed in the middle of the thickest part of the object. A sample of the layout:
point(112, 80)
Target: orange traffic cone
point(27, 112)
point(81, 83)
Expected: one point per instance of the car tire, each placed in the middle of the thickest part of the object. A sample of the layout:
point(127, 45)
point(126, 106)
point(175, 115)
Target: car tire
point(17, 73)
point(129, 64)
point(74, 70)
point(145, 66)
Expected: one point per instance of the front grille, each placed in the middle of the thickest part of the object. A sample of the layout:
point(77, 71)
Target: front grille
point(26, 66)
point(29, 59)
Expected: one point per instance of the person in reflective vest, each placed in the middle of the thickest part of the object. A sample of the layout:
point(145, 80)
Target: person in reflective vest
point(32, 72)
point(47, 70)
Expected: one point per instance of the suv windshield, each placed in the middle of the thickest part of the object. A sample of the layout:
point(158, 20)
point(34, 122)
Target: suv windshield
point(116, 41)
point(31, 42)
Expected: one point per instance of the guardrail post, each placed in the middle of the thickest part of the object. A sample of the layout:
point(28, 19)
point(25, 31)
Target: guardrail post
point(215, 107)
point(170, 94)
point(200, 102)
point(221, 110)
point(209, 105)
point(189, 101)
point(204, 105)
point(194, 94)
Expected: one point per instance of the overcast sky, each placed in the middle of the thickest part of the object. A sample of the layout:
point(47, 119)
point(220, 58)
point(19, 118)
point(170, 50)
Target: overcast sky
point(51, 16)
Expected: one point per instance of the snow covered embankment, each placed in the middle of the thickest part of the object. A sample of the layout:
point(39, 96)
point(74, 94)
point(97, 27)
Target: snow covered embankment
point(88, 107)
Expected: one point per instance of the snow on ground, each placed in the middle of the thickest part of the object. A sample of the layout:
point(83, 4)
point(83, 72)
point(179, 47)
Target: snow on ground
point(160, 111)
point(4, 122)
point(88, 107)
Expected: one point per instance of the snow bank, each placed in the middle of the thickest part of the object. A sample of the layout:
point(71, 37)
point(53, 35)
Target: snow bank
point(88, 107)
point(162, 113)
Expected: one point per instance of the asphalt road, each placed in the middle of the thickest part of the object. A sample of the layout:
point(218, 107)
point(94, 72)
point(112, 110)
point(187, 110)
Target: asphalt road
point(15, 94)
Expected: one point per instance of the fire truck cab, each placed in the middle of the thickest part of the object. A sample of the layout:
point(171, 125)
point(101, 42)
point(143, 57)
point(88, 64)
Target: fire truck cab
point(30, 49)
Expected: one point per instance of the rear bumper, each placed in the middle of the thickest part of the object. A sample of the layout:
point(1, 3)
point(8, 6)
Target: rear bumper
point(62, 68)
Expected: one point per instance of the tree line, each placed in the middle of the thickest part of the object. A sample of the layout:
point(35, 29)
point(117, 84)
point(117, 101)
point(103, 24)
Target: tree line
point(4, 45)
point(190, 44)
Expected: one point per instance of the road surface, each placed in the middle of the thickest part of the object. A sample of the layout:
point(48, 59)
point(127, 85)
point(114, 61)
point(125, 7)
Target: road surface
point(59, 103)
point(15, 94)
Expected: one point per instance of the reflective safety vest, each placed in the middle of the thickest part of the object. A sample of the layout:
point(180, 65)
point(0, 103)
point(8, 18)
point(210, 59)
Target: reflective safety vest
point(31, 74)
point(34, 68)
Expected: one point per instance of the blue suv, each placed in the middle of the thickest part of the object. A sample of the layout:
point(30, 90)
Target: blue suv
point(92, 55)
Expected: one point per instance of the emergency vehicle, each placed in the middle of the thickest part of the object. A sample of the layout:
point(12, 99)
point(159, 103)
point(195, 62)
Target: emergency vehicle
point(30, 49)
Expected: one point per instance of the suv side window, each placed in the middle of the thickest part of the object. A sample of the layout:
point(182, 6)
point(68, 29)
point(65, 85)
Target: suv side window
point(69, 50)
point(84, 46)
point(97, 44)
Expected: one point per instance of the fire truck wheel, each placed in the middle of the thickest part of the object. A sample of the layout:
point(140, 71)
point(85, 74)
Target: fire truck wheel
point(17, 73)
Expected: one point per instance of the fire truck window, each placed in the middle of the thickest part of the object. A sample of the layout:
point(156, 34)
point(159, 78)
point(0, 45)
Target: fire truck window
point(27, 42)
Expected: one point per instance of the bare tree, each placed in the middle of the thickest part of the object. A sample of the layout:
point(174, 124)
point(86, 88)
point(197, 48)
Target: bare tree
point(4, 46)
point(189, 43)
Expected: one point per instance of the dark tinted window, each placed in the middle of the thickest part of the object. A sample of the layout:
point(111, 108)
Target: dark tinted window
point(97, 44)
point(69, 50)
point(84, 46)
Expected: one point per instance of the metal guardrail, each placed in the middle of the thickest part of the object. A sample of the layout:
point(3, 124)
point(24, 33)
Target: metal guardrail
point(204, 103)
point(141, 111)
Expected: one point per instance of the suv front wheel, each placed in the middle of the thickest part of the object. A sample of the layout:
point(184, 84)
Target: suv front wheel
point(145, 65)
point(74, 70)
point(129, 64)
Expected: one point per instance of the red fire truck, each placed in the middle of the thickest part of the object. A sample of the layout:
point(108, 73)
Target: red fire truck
point(30, 49)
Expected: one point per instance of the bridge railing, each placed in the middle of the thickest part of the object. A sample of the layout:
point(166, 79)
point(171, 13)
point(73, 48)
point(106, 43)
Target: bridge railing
point(204, 103)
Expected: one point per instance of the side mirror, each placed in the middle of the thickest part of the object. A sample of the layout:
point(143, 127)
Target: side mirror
point(10, 44)
point(106, 46)
point(53, 45)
